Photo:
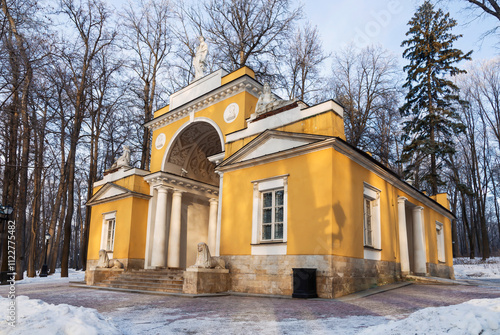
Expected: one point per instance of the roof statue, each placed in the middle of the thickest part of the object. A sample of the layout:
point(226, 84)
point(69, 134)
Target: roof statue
point(199, 59)
point(268, 102)
point(123, 160)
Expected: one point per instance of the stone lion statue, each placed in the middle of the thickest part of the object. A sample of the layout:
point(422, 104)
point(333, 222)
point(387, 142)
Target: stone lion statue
point(204, 260)
point(105, 262)
point(124, 159)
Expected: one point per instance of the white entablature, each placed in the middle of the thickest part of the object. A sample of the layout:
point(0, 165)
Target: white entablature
point(216, 94)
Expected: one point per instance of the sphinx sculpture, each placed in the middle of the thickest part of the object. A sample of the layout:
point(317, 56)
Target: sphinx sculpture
point(106, 263)
point(204, 260)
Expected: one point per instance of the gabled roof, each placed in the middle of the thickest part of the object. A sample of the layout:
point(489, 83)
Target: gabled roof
point(272, 145)
point(271, 142)
point(112, 192)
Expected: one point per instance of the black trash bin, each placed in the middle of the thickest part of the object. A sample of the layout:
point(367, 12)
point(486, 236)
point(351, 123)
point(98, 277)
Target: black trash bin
point(304, 283)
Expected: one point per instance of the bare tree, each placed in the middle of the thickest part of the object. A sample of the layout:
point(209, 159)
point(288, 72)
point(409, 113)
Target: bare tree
point(247, 32)
point(300, 73)
point(365, 83)
point(148, 37)
point(89, 19)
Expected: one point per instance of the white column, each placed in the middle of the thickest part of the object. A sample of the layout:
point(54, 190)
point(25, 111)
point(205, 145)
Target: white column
point(419, 242)
point(174, 238)
point(158, 258)
point(403, 237)
point(212, 225)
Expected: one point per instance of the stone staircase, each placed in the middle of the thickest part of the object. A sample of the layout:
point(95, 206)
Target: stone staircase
point(163, 280)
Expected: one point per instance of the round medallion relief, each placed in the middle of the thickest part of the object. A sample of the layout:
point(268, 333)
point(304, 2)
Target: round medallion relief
point(231, 112)
point(160, 141)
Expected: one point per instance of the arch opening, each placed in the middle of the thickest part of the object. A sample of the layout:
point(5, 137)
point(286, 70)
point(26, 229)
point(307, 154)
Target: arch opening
point(189, 151)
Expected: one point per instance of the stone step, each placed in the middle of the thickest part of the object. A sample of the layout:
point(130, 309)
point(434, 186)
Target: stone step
point(177, 289)
point(161, 280)
point(162, 285)
point(150, 277)
point(142, 282)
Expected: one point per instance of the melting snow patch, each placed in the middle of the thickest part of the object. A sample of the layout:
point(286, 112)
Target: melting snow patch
point(477, 268)
point(474, 317)
point(35, 316)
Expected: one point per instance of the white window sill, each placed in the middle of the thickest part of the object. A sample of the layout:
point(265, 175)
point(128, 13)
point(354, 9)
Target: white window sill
point(372, 253)
point(269, 248)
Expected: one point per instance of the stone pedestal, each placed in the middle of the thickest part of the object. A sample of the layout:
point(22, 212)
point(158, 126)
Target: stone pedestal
point(200, 281)
point(98, 275)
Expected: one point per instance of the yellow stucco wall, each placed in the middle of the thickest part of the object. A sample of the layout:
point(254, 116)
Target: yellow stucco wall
point(130, 227)
point(309, 212)
point(325, 208)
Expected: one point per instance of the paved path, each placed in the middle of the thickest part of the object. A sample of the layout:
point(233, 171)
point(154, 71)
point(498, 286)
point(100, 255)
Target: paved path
point(399, 302)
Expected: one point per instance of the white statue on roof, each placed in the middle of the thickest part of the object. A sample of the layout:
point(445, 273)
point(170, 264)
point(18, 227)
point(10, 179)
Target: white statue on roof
point(199, 59)
point(124, 159)
point(265, 99)
point(268, 102)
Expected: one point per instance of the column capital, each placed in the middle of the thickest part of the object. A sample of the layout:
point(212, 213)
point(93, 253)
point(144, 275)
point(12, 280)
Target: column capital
point(162, 188)
point(418, 208)
point(401, 199)
point(177, 192)
point(213, 200)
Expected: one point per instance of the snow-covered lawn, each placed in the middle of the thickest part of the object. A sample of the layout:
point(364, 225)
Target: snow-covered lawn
point(73, 275)
point(466, 268)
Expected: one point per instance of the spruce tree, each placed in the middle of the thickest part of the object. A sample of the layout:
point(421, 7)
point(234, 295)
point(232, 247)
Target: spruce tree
point(432, 97)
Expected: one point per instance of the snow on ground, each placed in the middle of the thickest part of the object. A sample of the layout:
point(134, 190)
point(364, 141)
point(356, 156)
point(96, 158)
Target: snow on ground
point(466, 268)
point(73, 275)
point(479, 316)
point(35, 316)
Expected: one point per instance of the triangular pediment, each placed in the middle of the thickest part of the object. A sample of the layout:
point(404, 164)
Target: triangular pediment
point(272, 142)
point(108, 192)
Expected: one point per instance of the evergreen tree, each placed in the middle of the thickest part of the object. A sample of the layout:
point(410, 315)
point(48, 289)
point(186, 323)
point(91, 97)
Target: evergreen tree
point(432, 97)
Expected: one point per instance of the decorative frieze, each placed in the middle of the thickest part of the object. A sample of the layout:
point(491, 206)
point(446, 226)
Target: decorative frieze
point(243, 84)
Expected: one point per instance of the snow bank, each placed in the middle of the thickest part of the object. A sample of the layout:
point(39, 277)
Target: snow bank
point(481, 316)
point(466, 268)
point(73, 275)
point(35, 316)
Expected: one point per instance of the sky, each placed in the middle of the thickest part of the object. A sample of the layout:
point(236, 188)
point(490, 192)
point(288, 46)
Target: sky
point(384, 22)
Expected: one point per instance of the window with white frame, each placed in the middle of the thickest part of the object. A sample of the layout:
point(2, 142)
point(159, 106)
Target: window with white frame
point(269, 218)
point(371, 221)
point(440, 242)
point(368, 221)
point(272, 215)
point(108, 232)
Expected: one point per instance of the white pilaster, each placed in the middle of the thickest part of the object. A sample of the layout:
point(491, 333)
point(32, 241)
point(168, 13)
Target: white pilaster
point(403, 236)
point(219, 216)
point(420, 258)
point(158, 258)
point(174, 238)
point(212, 225)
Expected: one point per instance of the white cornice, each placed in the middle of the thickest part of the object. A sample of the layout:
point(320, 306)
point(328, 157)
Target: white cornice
point(171, 181)
point(242, 84)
